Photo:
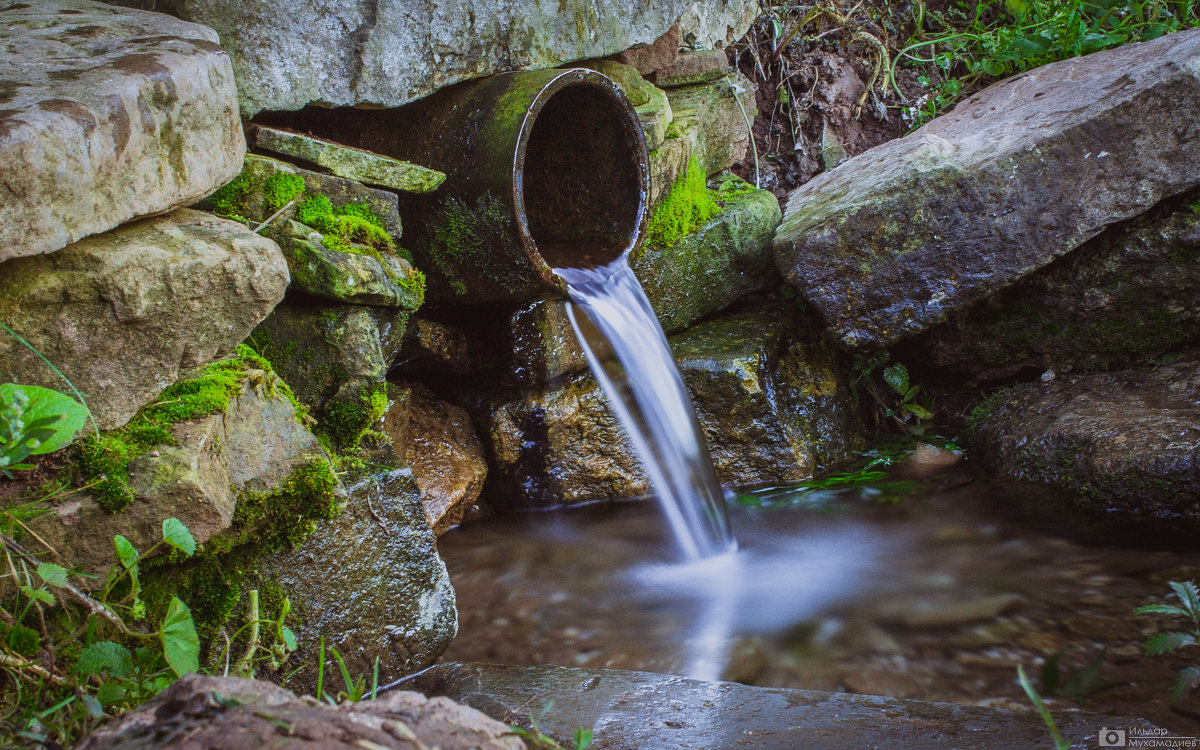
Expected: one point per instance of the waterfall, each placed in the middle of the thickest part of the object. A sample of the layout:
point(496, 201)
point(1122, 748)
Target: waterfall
point(629, 356)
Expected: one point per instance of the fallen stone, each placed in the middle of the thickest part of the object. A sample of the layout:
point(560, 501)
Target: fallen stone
point(706, 271)
point(251, 447)
point(714, 116)
point(199, 712)
point(701, 66)
point(356, 278)
point(107, 115)
point(387, 54)
point(771, 404)
point(369, 582)
point(438, 441)
point(350, 163)
point(643, 709)
point(896, 238)
point(1125, 297)
point(1126, 442)
point(123, 314)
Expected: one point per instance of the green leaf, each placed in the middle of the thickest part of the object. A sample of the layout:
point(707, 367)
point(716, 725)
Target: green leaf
point(1161, 643)
point(41, 595)
point(919, 410)
point(178, 536)
point(1187, 593)
point(896, 376)
point(1161, 609)
point(105, 657)
point(1189, 679)
point(1051, 676)
point(110, 693)
point(181, 646)
point(66, 415)
point(583, 738)
point(289, 638)
point(126, 552)
point(54, 575)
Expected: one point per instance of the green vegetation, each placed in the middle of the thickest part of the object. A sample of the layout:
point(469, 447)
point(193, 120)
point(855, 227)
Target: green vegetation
point(1040, 706)
point(467, 235)
point(281, 189)
point(899, 403)
point(35, 421)
point(1165, 642)
point(534, 737)
point(230, 200)
point(683, 210)
point(347, 423)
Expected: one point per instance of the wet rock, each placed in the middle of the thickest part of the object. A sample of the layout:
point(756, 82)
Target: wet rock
point(251, 447)
point(439, 442)
point(371, 583)
point(107, 115)
point(543, 344)
point(1131, 294)
point(124, 313)
point(707, 270)
point(362, 278)
point(388, 54)
point(1124, 442)
point(896, 238)
point(350, 163)
point(434, 348)
point(199, 712)
point(925, 613)
point(642, 709)
point(709, 115)
point(701, 66)
point(771, 404)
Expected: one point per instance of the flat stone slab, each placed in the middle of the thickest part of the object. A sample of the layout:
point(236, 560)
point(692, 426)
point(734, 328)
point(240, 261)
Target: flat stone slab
point(700, 66)
point(106, 115)
point(892, 240)
point(351, 163)
point(629, 710)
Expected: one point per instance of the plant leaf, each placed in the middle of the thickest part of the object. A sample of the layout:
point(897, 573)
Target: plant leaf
point(1187, 593)
point(110, 693)
point(1189, 679)
point(178, 536)
point(896, 376)
point(181, 646)
point(66, 415)
point(41, 595)
point(54, 575)
point(919, 410)
point(289, 638)
point(1161, 643)
point(105, 657)
point(1161, 609)
point(126, 552)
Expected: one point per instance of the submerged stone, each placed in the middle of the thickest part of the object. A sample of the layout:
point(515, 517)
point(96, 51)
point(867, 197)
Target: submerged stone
point(896, 238)
point(123, 314)
point(644, 710)
point(107, 115)
point(1125, 443)
point(351, 163)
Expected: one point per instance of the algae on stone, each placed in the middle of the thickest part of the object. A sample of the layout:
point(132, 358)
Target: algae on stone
point(351, 163)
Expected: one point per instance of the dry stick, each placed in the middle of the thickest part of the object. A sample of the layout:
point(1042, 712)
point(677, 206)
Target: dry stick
point(37, 669)
point(92, 605)
point(246, 663)
point(376, 516)
point(275, 216)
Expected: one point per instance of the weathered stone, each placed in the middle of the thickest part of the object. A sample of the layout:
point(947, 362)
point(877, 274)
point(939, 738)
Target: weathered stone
point(543, 344)
point(340, 191)
point(643, 709)
point(252, 446)
point(388, 54)
point(122, 314)
point(653, 57)
point(329, 354)
point(1129, 295)
point(354, 278)
point(439, 442)
point(897, 237)
point(707, 270)
point(714, 24)
point(106, 115)
point(434, 348)
point(627, 78)
point(701, 66)
point(710, 116)
point(772, 407)
point(350, 163)
point(371, 583)
point(668, 163)
point(655, 117)
point(199, 712)
point(1124, 442)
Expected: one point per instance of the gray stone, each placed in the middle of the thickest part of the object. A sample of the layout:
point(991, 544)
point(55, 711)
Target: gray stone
point(371, 583)
point(668, 163)
point(252, 446)
point(894, 239)
point(350, 163)
point(644, 710)
point(288, 55)
point(1127, 296)
point(701, 66)
point(359, 278)
point(1125, 442)
point(438, 441)
point(199, 712)
point(710, 24)
point(124, 313)
point(106, 115)
point(709, 115)
point(771, 403)
point(727, 258)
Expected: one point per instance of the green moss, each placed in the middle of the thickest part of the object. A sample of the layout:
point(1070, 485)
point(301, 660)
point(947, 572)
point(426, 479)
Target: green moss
point(683, 210)
point(346, 424)
point(984, 411)
point(467, 235)
point(280, 189)
point(230, 200)
point(353, 222)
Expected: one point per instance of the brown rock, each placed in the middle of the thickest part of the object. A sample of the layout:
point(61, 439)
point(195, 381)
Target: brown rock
point(653, 57)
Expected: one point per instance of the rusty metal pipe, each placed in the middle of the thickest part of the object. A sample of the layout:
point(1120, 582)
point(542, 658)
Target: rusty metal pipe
point(545, 169)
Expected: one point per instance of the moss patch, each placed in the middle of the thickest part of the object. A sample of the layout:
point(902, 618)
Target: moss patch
point(346, 424)
point(465, 235)
point(281, 189)
point(683, 210)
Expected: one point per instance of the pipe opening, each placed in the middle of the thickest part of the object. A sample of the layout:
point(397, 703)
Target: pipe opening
point(582, 183)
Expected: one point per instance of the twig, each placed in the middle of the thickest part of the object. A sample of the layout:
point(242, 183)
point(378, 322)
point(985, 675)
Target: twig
point(378, 519)
point(92, 605)
point(37, 669)
point(275, 216)
point(246, 663)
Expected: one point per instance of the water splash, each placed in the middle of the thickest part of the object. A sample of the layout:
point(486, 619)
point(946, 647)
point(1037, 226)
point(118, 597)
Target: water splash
point(629, 355)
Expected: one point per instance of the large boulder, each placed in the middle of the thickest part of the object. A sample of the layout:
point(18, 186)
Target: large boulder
point(770, 402)
point(370, 583)
point(123, 314)
point(387, 54)
point(894, 239)
point(1131, 294)
point(199, 712)
point(1126, 443)
point(107, 115)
